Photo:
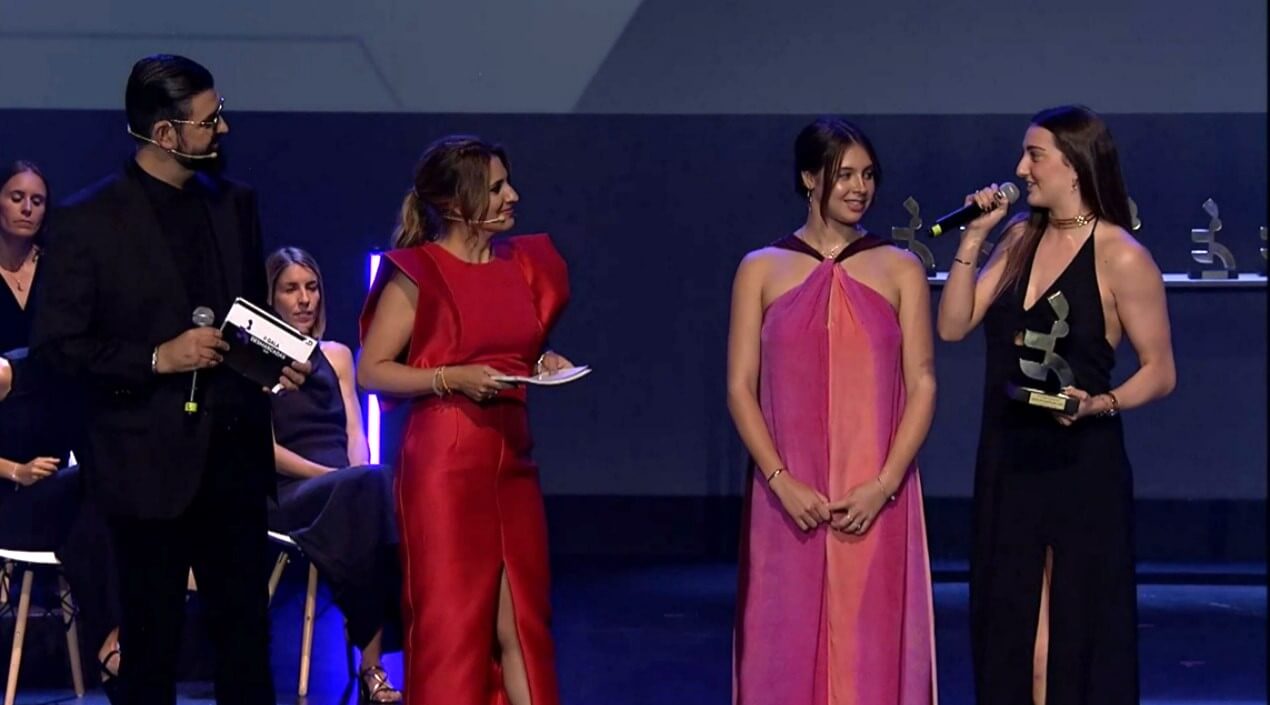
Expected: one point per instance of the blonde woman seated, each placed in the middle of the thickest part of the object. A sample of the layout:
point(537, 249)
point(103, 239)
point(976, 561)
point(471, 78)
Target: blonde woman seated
point(331, 501)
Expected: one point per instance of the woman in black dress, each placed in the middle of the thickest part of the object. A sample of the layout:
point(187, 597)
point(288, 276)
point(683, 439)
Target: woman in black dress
point(1053, 606)
point(331, 501)
point(42, 503)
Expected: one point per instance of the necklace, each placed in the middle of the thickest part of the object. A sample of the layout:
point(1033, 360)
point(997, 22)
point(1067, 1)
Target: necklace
point(14, 276)
point(1069, 223)
point(833, 251)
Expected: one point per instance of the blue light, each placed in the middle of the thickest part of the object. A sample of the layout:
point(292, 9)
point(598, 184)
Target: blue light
point(372, 401)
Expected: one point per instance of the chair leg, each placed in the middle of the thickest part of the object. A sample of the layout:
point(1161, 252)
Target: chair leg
point(306, 640)
point(276, 576)
point(72, 635)
point(19, 633)
point(6, 570)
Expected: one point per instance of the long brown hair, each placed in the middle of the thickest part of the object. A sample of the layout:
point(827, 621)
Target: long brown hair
point(1085, 142)
point(452, 174)
point(278, 262)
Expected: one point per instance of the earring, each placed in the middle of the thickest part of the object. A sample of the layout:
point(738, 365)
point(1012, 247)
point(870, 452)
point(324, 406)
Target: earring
point(1075, 186)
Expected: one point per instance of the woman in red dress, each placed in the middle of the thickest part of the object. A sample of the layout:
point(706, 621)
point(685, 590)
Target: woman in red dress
point(454, 311)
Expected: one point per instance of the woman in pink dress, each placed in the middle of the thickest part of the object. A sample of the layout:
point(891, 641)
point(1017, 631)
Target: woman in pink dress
point(831, 385)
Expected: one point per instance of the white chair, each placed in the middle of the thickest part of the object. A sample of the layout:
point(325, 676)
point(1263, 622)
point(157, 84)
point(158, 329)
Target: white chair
point(23, 563)
point(310, 609)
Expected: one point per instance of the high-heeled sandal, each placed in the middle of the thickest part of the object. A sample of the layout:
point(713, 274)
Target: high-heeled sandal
point(107, 673)
point(109, 676)
point(374, 687)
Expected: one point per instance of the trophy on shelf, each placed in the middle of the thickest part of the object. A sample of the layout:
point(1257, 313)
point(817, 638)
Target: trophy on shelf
point(907, 236)
point(1211, 252)
point(1051, 364)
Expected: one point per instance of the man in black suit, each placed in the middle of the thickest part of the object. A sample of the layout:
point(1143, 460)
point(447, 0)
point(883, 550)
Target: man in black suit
point(131, 257)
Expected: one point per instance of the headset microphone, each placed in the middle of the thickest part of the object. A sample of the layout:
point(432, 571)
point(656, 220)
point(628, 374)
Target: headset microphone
point(209, 155)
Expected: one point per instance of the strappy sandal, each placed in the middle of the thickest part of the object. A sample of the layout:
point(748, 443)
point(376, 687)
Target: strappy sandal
point(109, 676)
point(374, 687)
point(107, 673)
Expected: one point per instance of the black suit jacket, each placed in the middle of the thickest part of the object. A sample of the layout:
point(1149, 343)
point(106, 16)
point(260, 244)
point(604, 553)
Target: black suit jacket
point(107, 291)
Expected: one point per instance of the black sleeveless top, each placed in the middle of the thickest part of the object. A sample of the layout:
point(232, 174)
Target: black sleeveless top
point(310, 421)
point(15, 322)
point(31, 423)
point(1085, 348)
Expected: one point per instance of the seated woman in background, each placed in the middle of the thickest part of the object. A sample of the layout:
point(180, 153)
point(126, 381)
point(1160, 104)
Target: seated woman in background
point(42, 503)
point(331, 501)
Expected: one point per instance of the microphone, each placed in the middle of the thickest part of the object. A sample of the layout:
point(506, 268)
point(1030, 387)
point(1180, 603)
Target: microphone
point(209, 155)
point(203, 317)
point(487, 221)
point(969, 212)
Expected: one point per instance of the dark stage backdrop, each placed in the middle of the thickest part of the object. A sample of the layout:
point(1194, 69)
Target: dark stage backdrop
point(652, 139)
point(654, 212)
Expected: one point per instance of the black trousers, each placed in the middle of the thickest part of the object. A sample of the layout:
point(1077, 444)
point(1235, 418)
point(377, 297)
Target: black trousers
point(346, 524)
point(221, 535)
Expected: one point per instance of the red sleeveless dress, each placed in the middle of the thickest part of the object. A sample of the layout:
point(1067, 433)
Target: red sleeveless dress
point(468, 500)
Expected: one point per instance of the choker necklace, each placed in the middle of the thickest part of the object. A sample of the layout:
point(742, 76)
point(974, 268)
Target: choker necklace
point(1069, 223)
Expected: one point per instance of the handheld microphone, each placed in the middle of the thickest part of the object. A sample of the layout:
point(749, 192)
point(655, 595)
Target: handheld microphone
point(209, 155)
point(970, 211)
point(202, 318)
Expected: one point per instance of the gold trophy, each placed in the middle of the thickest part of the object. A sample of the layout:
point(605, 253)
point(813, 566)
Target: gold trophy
point(908, 236)
point(1052, 363)
point(1213, 252)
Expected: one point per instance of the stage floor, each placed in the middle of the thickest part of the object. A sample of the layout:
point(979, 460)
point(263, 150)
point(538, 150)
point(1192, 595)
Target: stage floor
point(660, 634)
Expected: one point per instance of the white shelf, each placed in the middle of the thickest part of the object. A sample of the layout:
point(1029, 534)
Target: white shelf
point(1172, 280)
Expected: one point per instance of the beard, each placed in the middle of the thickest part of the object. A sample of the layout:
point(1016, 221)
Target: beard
point(215, 165)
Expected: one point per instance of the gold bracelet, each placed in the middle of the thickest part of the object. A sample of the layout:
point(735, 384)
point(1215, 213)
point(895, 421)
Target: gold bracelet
point(445, 386)
point(889, 497)
point(1115, 406)
point(771, 477)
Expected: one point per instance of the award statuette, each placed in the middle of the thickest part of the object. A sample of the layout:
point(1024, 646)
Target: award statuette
point(1051, 363)
point(907, 237)
point(1213, 251)
point(1135, 223)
